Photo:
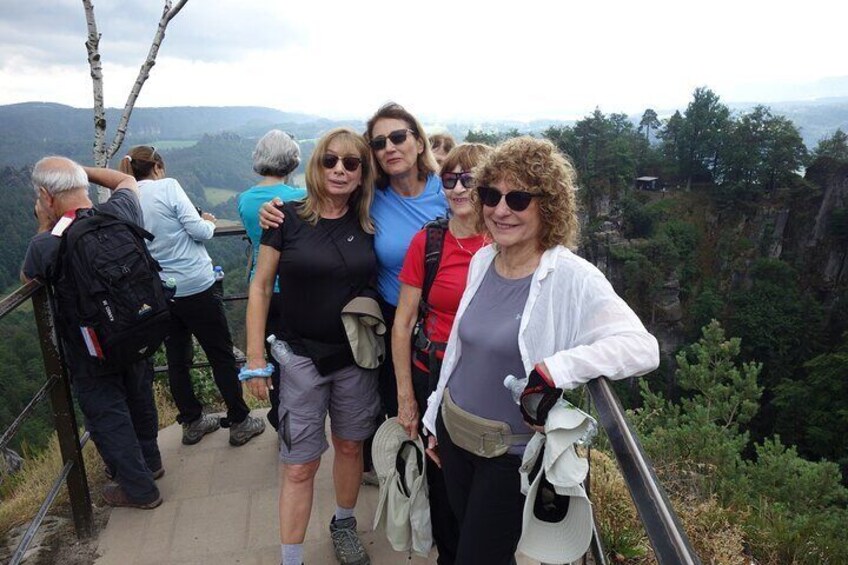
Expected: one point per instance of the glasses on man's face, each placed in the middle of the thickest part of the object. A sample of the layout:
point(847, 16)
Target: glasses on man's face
point(449, 180)
point(349, 163)
point(397, 137)
point(517, 200)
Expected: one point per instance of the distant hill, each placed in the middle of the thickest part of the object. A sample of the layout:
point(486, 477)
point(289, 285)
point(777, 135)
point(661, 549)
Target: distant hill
point(33, 129)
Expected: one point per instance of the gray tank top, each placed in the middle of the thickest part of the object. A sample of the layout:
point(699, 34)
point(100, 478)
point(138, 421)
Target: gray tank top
point(489, 335)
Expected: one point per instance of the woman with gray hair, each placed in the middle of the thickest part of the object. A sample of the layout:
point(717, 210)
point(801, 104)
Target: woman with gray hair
point(275, 158)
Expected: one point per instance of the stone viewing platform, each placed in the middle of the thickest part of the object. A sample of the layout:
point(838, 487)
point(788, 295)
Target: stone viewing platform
point(220, 508)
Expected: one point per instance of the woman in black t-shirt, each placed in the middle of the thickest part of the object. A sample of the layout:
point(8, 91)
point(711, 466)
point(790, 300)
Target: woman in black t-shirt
point(323, 254)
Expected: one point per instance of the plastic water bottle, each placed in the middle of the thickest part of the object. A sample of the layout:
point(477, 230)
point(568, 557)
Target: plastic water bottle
point(281, 350)
point(170, 287)
point(218, 272)
point(515, 386)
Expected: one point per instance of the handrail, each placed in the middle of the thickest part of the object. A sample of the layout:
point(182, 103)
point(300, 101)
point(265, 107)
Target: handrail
point(670, 543)
point(57, 387)
point(669, 540)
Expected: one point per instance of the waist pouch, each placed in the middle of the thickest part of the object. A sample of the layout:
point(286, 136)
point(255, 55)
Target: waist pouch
point(327, 357)
point(478, 435)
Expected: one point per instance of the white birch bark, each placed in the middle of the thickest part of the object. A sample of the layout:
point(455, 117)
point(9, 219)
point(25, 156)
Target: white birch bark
point(101, 153)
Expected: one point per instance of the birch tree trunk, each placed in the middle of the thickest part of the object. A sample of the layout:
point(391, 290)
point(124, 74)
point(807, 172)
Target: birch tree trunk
point(101, 153)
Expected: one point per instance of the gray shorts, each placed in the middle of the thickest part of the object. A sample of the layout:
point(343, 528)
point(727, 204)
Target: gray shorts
point(349, 394)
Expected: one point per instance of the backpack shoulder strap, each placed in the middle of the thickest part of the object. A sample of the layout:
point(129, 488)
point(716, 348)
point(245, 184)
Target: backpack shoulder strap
point(436, 230)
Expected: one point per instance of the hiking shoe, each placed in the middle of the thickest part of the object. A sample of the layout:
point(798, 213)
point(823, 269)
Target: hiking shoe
point(346, 543)
point(158, 474)
point(194, 431)
point(115, 496)
point(242, 432)
point(370, 478)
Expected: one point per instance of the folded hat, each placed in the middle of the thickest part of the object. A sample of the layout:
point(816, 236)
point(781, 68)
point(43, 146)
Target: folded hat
point(403, 506)
point(364, 325)
point(557, 521)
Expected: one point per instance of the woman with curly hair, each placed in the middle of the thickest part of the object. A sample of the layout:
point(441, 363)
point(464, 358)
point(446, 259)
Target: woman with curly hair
point(531, 308)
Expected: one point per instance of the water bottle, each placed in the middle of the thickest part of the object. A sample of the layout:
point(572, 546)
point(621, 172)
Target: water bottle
point(281, 350)
point(170, 287)
point(218, 272)
point(515, 386)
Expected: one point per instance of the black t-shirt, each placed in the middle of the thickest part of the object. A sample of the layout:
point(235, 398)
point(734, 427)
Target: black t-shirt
point(321, 268)
point(40, 260)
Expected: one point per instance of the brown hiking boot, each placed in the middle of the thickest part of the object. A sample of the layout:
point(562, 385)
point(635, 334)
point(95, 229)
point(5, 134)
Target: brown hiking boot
point(157, 474)
point(115, 496)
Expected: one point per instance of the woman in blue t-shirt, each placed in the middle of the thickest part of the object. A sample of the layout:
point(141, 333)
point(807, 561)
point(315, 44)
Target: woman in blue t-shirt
point(409, 194)
point(275, 157)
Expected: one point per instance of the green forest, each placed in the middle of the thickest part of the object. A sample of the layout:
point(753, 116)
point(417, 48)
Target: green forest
point(735, 257)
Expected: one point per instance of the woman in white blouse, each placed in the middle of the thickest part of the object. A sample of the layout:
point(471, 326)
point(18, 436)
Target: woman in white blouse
point(531, 308)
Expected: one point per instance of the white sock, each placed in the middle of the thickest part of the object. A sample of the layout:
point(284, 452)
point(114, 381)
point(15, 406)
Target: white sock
point(344, 513)
point(292, 553)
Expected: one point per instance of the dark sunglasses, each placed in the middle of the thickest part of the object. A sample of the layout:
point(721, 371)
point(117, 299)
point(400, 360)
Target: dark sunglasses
point(349, 163)
point(397, 137)
point(449, 180)
point(517, 200)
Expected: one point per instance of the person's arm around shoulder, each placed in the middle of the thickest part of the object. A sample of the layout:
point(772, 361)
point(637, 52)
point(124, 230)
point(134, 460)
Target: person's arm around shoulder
point(271, 214)
point(111, 179)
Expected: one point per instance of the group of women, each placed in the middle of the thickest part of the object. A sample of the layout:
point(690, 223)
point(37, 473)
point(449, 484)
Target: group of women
point(509, 297)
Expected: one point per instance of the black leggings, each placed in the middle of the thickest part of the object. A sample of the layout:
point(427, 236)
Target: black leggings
point(486, 498)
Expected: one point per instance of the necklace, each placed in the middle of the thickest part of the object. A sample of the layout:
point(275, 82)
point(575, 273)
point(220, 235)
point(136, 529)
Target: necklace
point(456, 239)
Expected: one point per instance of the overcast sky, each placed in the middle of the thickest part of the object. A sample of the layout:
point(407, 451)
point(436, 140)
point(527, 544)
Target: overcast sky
point(443, 60)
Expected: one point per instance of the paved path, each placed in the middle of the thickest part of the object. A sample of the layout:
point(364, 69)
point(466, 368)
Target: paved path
point(220, 508)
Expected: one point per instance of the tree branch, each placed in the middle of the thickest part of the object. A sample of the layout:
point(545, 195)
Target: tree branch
point(168, 13)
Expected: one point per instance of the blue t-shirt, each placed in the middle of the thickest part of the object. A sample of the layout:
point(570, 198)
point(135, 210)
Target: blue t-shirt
point(249, 203)
point(396, 219)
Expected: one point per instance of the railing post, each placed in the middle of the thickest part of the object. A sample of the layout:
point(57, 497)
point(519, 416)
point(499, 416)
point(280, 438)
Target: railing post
point(669, 540)
point(63, 414)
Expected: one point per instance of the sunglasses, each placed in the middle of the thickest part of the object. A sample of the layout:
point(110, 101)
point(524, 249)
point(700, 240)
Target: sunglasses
point(449, 180)
point(517, 200)
point(349, 163)
point(397, 137)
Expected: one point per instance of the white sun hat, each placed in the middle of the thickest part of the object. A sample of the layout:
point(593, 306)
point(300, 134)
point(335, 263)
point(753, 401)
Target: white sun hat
point(557, 522)
point(403, 506)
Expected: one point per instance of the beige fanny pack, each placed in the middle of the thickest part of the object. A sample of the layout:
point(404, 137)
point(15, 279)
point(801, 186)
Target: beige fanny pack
point(477, 435)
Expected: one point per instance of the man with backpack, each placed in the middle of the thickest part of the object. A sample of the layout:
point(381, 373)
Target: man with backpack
point(109, 368)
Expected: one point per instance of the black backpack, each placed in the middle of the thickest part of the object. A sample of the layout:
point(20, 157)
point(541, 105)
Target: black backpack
point(435, 242)
point(109, 294)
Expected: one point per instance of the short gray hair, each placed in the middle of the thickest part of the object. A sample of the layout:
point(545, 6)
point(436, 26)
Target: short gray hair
point(276, 154)
point(57, 175)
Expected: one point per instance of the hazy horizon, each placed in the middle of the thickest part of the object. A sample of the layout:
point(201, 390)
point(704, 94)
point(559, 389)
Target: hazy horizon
point(449, 61)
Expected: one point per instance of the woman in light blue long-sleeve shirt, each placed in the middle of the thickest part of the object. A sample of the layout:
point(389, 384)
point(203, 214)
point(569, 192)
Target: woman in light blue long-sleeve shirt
point(198, 308)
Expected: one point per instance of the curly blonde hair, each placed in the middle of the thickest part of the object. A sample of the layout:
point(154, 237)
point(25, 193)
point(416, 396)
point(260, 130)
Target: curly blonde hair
point(537, 166)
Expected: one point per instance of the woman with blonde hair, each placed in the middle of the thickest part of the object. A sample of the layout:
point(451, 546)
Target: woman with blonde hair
point(532, 308)
point(323, 257)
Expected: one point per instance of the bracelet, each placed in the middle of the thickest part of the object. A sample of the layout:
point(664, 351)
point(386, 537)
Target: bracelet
point(246, 374)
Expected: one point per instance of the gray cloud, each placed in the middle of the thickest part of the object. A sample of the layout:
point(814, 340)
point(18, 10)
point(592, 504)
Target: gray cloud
point(54, 31)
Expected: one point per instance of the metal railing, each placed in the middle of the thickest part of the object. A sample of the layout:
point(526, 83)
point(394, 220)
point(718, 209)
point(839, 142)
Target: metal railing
point(668, 539)
point(58, 389)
